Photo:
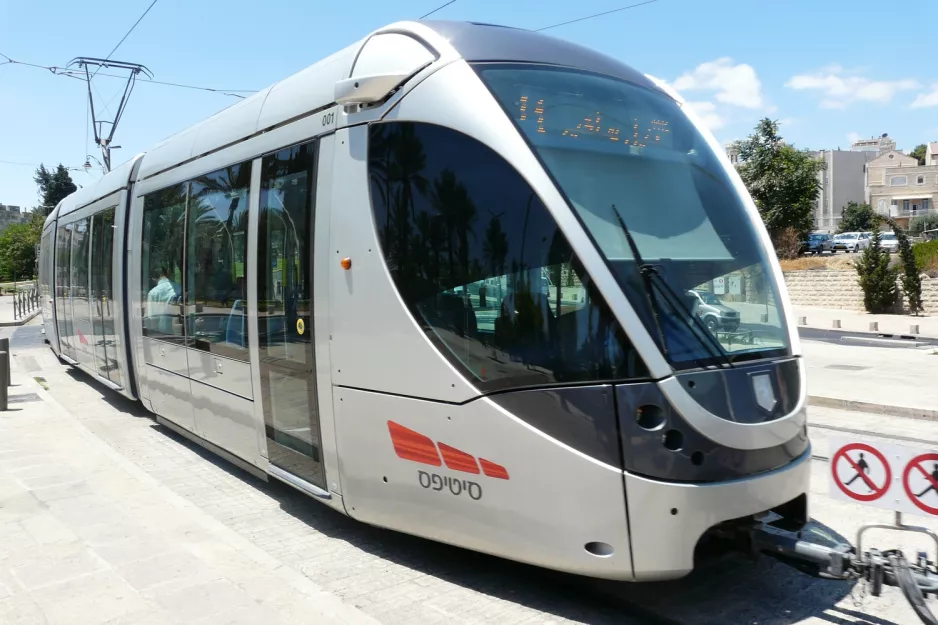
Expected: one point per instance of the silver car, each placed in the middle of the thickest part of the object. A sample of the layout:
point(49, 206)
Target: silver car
point(851, 241)
point(889, 242)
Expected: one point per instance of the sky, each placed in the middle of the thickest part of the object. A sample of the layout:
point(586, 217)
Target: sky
point(829, 71)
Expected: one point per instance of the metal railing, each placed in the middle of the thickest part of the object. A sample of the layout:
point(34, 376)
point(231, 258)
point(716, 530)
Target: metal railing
point(25, 301)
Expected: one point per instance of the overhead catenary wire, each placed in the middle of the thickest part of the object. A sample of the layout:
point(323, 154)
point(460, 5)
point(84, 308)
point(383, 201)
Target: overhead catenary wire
point(589, 17)
point(58, 71)
point(126, 35)
point(442, 6)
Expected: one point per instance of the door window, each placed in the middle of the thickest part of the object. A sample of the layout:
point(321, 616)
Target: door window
point(285, 321)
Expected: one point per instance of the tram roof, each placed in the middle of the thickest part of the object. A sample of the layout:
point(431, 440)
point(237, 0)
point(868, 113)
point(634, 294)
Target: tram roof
point(114, 180)
point(313, 88)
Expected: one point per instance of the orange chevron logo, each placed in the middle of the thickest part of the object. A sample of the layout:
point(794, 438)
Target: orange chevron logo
point(414, 446)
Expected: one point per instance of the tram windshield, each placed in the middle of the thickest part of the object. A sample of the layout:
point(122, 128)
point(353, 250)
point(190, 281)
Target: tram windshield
point(651, 192)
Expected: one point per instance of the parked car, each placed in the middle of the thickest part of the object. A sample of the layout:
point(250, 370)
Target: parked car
point(889, 242)
point(851, 241)
point(715, 314)
point(817, 243)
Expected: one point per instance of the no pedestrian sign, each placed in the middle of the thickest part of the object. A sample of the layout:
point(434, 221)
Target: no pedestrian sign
point(861, 472)
point(892, 477)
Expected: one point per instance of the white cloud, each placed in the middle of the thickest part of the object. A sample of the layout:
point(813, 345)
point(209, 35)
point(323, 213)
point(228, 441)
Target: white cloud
point(840, 88)
point(927, 99)
point(707, 112)
point(734, 84)
point(853, 137)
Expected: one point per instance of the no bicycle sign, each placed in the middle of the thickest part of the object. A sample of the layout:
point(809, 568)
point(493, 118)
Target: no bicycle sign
point(883, 475)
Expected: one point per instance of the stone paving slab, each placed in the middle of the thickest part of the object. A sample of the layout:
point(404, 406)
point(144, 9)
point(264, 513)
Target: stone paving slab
point(89, 538)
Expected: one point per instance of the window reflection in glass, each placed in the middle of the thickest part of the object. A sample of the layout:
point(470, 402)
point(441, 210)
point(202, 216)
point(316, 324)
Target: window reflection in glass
point(216, 287)
point(63, 242)
point(483, 266)
point(285, 321)
point(162, 262)
point(80, 305)
point(629, 160)
point(106, 343)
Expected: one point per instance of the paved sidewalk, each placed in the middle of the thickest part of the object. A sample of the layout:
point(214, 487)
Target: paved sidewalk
point(823, 318)
point(891, 381)
point(7, 317)
point(89, 538)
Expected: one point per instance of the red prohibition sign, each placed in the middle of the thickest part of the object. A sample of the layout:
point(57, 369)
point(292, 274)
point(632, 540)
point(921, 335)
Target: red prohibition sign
point(916, 464)
point(878, 491)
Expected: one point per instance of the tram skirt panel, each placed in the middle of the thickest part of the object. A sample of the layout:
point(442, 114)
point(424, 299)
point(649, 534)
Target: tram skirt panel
point(477, 477)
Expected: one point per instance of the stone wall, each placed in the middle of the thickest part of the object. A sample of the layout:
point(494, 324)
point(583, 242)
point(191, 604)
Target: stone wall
point(840, 289)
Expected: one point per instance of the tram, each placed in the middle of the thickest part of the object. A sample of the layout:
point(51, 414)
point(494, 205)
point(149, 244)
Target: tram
point(446, 281)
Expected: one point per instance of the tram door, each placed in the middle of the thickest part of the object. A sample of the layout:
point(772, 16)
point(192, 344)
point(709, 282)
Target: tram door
point(285, 322)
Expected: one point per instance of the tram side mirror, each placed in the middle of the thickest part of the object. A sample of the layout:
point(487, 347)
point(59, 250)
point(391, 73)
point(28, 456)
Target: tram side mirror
point(367, 89)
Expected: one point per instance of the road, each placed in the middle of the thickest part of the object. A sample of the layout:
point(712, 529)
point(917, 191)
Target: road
point(397, 579)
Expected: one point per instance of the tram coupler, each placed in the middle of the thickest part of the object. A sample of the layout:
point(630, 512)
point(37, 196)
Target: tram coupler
point(838, 560)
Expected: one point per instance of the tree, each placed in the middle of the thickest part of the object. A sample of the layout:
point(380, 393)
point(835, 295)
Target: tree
point(857, 218)
point(54, 186)
point(920, 224)
point(876, 277)
point(919, 153)
point(18, 252)
point(782, 181)
point(911, 278)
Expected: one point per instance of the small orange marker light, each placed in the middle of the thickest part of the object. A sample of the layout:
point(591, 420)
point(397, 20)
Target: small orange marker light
point(346, 263)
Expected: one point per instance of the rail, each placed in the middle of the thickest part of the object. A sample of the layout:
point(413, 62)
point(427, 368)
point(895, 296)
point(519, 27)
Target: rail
point(25, 301)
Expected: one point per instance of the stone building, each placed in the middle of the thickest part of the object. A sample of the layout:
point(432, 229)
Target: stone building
point(10, 215)
point(897, 186)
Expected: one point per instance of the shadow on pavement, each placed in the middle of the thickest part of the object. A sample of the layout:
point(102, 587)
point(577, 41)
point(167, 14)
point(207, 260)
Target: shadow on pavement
point(732, 590)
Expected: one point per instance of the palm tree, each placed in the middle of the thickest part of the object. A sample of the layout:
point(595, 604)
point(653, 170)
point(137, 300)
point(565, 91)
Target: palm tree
point(452, 201)
point(408, 160)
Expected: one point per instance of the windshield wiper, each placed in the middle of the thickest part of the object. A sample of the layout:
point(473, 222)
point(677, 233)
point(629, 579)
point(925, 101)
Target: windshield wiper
point(648, 272)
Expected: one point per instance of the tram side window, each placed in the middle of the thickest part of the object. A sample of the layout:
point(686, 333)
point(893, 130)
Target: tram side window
point(81, 318)
point(483, 266)
point(164, 214)
point(216, 286)
point(63, 255)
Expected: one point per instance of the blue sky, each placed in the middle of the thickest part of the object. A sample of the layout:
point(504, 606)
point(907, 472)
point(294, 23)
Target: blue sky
point(827, 69)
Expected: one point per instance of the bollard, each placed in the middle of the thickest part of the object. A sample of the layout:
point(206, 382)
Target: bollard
point(836, 323)
point(874, 326)
point(913, 329)
point(802, 321)
point(4, 372)
point(5, 348)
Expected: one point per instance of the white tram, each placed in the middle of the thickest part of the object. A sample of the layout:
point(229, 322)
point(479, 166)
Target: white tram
point(448, 281)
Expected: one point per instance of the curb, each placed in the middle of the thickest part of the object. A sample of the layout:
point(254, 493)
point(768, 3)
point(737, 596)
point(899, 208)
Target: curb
point(879, 335)
point(872, 408)
point(20, 322)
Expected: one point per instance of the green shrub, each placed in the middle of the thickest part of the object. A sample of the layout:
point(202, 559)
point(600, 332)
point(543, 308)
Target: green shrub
point(877, 278)
point(926, 254)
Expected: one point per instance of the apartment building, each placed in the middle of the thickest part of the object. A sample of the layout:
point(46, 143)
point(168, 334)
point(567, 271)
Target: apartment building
point(899, 187)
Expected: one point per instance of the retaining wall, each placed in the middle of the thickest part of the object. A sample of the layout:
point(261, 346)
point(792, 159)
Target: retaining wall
point(840, 289)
